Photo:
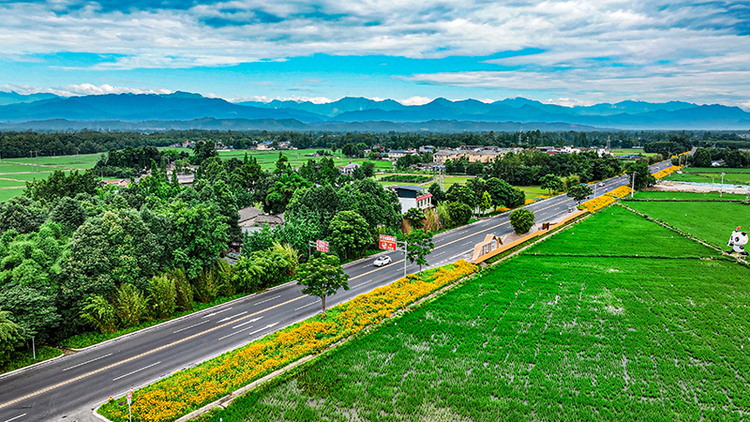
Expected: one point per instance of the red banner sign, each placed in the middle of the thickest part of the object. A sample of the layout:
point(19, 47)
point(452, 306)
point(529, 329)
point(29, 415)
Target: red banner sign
point(388, 242)
point(321, 245)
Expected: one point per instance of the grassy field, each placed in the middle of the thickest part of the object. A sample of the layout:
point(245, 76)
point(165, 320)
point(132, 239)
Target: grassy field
point(633, 237)
point(709, 221)
point(729, 178)
point(628, 151)
point(546, 338)
point(715, 170)
point(267, 159)
point(685, 195)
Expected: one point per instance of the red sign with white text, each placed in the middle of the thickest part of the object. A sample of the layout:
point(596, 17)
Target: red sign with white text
point(388, 242)
point(321, 245)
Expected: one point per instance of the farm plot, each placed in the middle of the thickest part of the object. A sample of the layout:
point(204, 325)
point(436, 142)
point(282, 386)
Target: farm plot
point(709, 221)
point(685, 195)
point(619, 232)
point(542, 338)
point(729, 178)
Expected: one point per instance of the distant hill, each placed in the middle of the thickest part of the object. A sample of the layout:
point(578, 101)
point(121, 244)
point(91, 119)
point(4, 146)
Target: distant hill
point(146, 110)
point(209, 123)
point(16, 98)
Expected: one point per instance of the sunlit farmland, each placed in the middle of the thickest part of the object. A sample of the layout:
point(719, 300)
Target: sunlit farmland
point(547, 338)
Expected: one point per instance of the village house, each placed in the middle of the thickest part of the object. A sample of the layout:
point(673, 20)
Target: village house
point(253, 219)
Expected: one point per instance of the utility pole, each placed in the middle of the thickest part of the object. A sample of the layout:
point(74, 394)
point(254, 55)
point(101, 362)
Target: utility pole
point(721, 190)
point(404, 245)
point(632, 185)
point(33, 347)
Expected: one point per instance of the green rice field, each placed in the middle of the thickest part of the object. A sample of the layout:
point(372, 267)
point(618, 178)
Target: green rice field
point(685, 195)
point(547, 338)
point(729, 178)
point(709, 221)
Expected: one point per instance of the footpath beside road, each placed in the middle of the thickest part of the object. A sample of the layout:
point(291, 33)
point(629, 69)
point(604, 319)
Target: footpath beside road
point(82, 381)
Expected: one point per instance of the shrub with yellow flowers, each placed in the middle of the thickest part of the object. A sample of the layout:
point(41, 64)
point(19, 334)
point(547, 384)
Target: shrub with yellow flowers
point(598, 203)
point(188, 390)
point(620, 192)
point(666, 172)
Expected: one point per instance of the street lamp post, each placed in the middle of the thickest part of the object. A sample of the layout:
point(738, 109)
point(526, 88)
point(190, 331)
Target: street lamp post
point(721, 190)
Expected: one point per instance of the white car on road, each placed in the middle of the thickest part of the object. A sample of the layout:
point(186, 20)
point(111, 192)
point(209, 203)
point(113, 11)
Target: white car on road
point(383, 260)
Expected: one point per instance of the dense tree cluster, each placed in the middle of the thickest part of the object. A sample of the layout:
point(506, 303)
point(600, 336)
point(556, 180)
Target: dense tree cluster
point(21, 144)
point(732, 158)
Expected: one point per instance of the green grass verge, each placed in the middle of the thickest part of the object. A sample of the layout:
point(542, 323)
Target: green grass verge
point(21, 358)
point(91, 338)
point(541, 338)
point(709, 221)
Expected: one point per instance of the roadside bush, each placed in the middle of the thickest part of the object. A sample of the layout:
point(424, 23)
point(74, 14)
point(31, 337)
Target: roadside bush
point(459, 213)
point(130, 304)
point(183, 291)
point(246, 274)
point(98, 312)
point(205, 286)
point(162, 294)
point(522, 220)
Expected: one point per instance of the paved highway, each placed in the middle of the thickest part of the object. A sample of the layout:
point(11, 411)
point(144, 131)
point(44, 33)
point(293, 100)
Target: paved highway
point(62, 388)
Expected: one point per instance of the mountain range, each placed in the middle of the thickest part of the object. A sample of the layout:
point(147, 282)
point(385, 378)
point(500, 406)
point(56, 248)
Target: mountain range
point(187, 110)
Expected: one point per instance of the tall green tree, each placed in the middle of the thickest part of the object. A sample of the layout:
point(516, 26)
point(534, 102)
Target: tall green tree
point(322, 277)
point(486, 203)
point(32, 308)
point(579, 192)
point(415, 217)
point(551, 182)
point(643, 176)
point(419, 245)
point(10, 336)
point(201, 234)
point(461, 193)
point(350, 234)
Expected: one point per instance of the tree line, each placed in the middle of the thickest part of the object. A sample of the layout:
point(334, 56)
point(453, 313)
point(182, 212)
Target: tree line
point(22, 144)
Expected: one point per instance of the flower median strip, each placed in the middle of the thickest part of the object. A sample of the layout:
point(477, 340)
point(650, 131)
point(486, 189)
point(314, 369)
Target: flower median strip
point(191, 389)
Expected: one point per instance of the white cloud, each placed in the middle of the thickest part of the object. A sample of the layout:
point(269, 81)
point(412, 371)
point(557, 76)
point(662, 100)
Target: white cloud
point(582, 48)
point(568, 102)
point(415, 100)
point(82, 89)
point(265, 99)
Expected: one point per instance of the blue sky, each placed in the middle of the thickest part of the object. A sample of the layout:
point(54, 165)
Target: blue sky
point(563, 52)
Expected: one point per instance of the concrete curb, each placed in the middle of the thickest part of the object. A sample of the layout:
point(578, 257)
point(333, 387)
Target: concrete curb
point(32, 366)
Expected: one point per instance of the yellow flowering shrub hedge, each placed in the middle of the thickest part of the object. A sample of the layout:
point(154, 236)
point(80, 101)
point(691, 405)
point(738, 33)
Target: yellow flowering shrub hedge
point(598, 203)
point(620, 192)
point(666, 172)
point(193, 388)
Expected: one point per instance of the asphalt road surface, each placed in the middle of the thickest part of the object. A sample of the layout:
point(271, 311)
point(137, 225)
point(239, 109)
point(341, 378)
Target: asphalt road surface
point(69, 388)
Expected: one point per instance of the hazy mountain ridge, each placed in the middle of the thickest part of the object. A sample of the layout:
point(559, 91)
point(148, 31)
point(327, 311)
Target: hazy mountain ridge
point(354, 112)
